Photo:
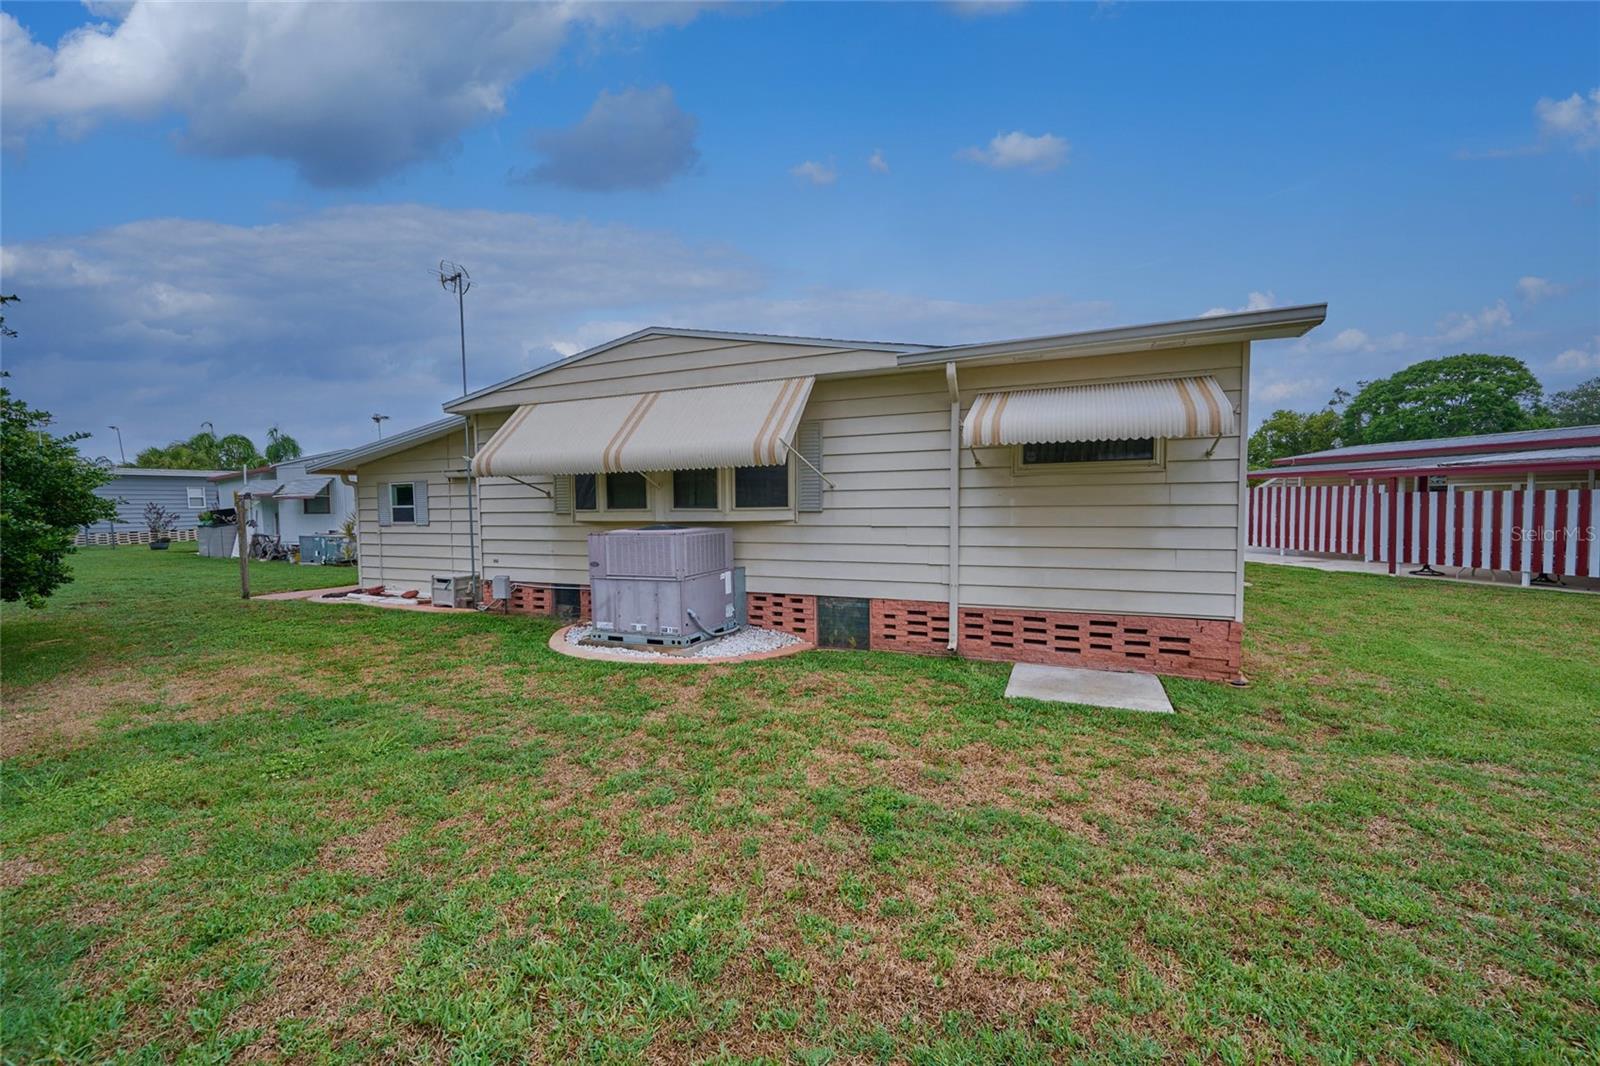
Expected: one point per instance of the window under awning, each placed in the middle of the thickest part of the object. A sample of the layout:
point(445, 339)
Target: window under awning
point(747, 424)
point(302, 488)
point(1124, 410)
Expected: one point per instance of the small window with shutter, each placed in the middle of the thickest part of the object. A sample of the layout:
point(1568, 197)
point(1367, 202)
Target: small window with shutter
point(403, 503)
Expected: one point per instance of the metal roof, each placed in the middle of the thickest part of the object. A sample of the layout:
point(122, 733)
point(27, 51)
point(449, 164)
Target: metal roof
point(1482, 442)
point(346, 461)
point(1578, 458)
point(1179, 333)
point(303, 488)
point(161, 471)
point(1276, 322)
point(1123, 410)
point(700, 334)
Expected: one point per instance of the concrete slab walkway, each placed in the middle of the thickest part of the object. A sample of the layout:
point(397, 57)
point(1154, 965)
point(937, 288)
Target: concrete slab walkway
point(1096, 688)
point(1500, 579)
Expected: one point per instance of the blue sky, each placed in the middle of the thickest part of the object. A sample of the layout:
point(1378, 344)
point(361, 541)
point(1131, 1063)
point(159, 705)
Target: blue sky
point(227, 213)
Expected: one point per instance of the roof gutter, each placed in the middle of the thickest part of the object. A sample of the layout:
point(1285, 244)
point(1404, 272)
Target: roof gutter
point(1311, 460)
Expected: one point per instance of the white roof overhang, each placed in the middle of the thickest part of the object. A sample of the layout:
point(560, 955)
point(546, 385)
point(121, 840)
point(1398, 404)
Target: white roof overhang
point(1124, 410)
point(744, 424)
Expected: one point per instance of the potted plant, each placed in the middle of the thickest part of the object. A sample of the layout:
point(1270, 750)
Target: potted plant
point(161, 522)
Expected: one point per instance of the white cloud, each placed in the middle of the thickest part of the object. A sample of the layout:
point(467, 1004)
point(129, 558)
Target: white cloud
point(1287, 389)
point(635, 139)
point(306, 321)
point(1256, 301)
point(1576, 360)
point(1575, 120)
point(877, 163)
point(315, 322)
point(345, 92)
point(1350, 340)
point(1020, 151)
point(982, 8)
point(1458, 326)
point(1532, 289)
point(816, 173)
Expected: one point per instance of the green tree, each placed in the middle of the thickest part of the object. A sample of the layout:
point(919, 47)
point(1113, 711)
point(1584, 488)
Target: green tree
point(1450, 397)
point(1577, 406)
point(203, 451)
point(5, 330)
point(1293, 433)
point(46, 495)
point(281, 447)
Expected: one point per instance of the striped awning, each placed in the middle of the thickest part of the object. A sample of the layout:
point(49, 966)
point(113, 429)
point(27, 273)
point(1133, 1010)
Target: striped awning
point(1124, 410)
point(748, 424)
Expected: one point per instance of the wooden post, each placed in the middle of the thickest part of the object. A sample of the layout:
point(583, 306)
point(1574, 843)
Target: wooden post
point(244, 549)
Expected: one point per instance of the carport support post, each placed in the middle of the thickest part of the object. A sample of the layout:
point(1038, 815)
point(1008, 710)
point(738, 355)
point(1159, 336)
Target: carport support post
point(1394, 523)
point(244, 554)
point(1528, 547)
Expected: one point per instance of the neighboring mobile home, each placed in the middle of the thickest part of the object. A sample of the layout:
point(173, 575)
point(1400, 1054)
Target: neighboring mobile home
point(1074, 499)
point(287, 501)
point(185, 493)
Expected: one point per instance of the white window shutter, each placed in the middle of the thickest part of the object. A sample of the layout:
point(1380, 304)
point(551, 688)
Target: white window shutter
point(561, 494)
point(383, 504)
point(808, 442)
point(419, 490)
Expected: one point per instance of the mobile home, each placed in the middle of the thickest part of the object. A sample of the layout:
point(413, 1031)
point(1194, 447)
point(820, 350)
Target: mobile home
point(1075, 499)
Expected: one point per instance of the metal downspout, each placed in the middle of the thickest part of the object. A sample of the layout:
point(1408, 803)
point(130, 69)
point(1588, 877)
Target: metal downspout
point(954, 388)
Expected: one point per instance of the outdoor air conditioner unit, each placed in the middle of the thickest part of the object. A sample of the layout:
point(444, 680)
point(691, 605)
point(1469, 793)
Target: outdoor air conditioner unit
point(453, 590)
point(666, 586)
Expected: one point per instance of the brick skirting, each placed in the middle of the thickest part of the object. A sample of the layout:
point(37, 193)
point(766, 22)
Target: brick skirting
point(796, 615)
point(1184, 647)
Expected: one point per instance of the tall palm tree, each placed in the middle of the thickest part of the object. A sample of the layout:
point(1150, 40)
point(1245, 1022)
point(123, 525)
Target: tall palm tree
point(281, 447)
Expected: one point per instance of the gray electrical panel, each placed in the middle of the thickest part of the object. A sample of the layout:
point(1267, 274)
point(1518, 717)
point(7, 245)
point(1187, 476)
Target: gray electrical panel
point(666, 586)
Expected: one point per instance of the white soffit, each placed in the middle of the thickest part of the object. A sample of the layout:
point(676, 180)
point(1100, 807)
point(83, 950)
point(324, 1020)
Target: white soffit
point(1124, 410)
point(746, 424)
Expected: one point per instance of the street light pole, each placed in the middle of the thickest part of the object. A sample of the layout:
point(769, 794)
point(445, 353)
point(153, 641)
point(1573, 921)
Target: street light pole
point(379, 420)
point(119, 445)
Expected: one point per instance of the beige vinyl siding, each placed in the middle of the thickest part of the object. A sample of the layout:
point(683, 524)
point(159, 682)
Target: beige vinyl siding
point(883, 528)
point(403, 556)
point(1161, 541)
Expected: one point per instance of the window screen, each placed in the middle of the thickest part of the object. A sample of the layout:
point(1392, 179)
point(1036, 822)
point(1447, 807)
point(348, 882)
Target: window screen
point(694, 490)
point(402, 502)
point(761, 486)
point(197, 498)
point(321, 503)
point(626, 492)
point(1089, 451)
point(583, 494)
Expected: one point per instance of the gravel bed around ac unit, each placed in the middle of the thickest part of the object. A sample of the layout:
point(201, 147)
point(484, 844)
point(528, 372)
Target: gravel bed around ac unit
point(745, 642)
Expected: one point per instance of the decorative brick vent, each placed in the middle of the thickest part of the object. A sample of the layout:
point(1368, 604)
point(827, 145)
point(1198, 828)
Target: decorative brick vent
point(790, 614)
point(1186, 647)
point(910, 625)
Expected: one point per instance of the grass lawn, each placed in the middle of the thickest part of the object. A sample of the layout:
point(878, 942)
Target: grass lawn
point(335, 833)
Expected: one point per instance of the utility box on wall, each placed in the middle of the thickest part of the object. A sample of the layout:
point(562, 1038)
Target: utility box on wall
point(665, 586)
